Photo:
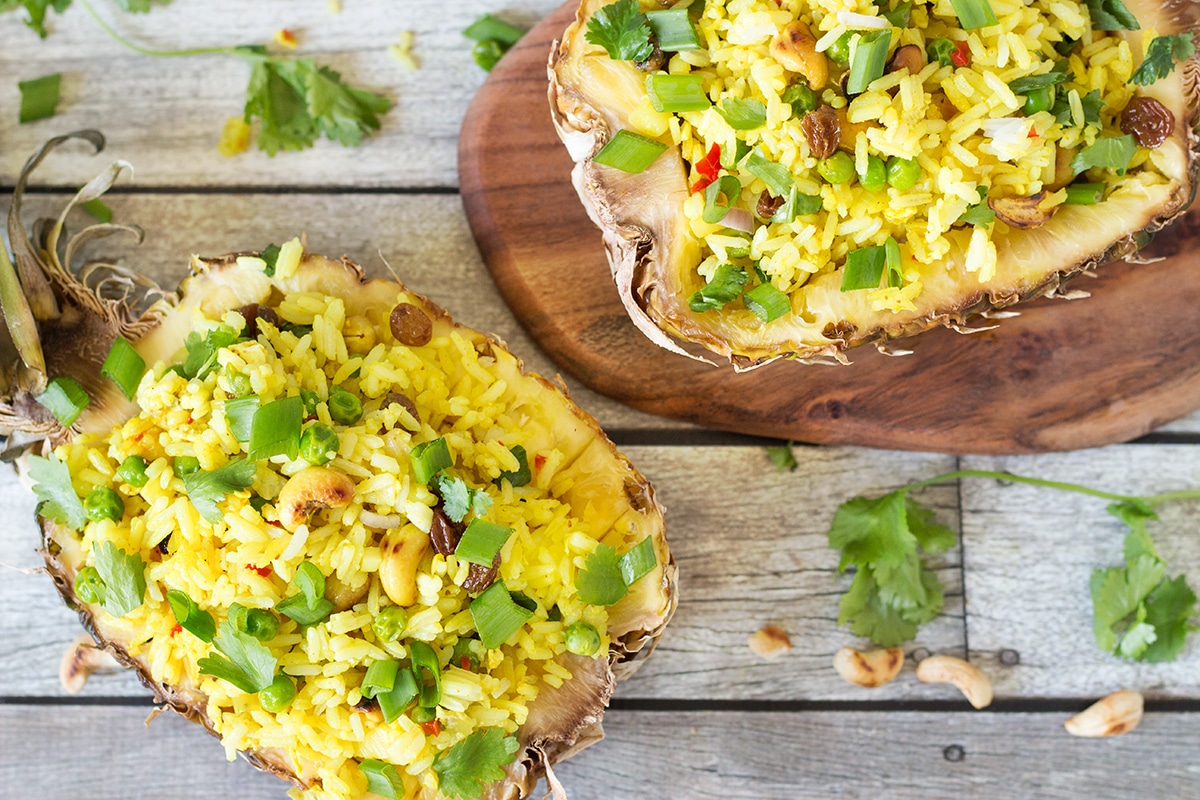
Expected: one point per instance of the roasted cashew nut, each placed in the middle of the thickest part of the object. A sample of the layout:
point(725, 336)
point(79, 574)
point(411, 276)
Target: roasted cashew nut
point(1118, 713)
point(974, 685)
point(869, 670)
point(402, 551)
point(310, 490)
point(82, 658)
point(795, 48)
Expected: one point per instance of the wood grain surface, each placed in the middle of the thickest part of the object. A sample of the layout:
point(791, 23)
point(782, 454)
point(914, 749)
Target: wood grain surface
point(1062, 375)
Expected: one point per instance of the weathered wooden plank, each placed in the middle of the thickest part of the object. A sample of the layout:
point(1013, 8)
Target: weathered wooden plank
point(170, 111)
point(751, 549)
point(1029, 553)
point(104, 753)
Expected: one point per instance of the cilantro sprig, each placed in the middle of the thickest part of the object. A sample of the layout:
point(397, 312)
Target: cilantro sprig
point(466, 769)
point(606, 577)
point(1162, 55)
point(458, 499)
point(241, 660)
point(1138, 612)
point(55, 492)
point(622, 30)
point(206, 489)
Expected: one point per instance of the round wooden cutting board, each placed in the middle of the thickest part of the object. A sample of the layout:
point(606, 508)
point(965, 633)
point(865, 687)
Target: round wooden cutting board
point(1062, 375)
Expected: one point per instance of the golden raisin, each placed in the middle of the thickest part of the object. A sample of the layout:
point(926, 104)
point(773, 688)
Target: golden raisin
point(823, 131)
point(1148, 120)
point(410, 325)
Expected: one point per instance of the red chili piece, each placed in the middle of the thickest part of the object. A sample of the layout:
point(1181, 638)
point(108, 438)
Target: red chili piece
point(177, 629)
point(465, 662)
point(709, 168)
point(431, 728)
point(263, 571)
point(539, 461)
point(961, 55)
point(1033, 134)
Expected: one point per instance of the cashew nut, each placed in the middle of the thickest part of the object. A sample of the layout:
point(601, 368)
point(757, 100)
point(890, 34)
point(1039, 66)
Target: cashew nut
point(770, 642)
point(359, 334)
point(1118, 713)
point(871, 669)
point(311, 490)
point(402, 551)
point(83, 658)
point(796, 50)
point(974, 685)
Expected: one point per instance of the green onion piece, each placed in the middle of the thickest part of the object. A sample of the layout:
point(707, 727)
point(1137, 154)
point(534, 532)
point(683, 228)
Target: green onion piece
point(743, 115)
point(714, 209)
point(239, 416)
point(940, 50)
point(731, 158)
point(1114, 152)
point(428, 673)
point(674, 30)
point(767, 302)
point(870, 57)
point(124, 367)
point(39, 97)
point(726, 285)
point(973, 14)
point(895, 270)
point(676, 92)
point(797, 204)
point(629, 152)
point(403, 692)
point(65, 399)
point(191, 617)
point(98, 210)
point(524, 601)
point(778, 178)
point(481, 541)
point(380, 677)
point(522, 476)
point(864, 268)
point(1084, 194)
point(310, 606)
point(309, 580)
point(133, 471)
point(488, 27)
point(275, 429)
point(471, 650)
point(382, 779)
point(496, 616)
point(640, 559)
point(430, 458)
point(900, 16)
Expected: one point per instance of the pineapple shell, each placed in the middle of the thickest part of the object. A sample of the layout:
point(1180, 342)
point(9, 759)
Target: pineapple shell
point(561, 721)
point(653, 256)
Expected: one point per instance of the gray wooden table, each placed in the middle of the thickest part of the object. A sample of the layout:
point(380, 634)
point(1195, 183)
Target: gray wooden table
point(705, 718)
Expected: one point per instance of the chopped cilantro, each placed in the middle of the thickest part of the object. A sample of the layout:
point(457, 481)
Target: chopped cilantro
point(600, 583)
point(1091, 109)
point(458, 499)
point(36, 9)
point(622, 30)
point(124, 576)
point(52, 485)
point(1111, 15)
point(726, 284)
point(467, 768)
point(202, 350)
point(1031, 82)
point(743, 115)
point(243, 661)
point(1161, 57)
point(1111, 152)
point(782, 457)
point(206, 489)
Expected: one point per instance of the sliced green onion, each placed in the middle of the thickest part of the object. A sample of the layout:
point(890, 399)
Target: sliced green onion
point(124, 367)
point(640, 559)
point(940, 50)
point(310, 606)
point(522, 476)
point(524, 601)
point(403, 692)
point(428, 673)
point(900, 16)
point(714, 209)
point(973, 14)
point(65, 399)
point(895, 271)
point(430, 458)
point(481, 541)
point(778, 178)
point(743, 115)
point(870, 57)
point(98, 210)
point(39, 97)
point(1084, 194)
point(864, 268)
point(676, 92)
point(674, 30)
point(767, 302)
point(239, 416)
point(487, 53)
point(726, 285)
point(380, 677)
point(797, 204)
point(731, 158)
point(191, 617)
point(382, 779)
point(275, 429)
point(490, 27)
point(629, 152)
point(496, 616)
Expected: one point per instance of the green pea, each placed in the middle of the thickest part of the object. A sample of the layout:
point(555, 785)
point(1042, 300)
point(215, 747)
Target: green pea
point(259, 623)
point(389, 623)
point(279, 695)
point(344, 407)
point(875, 178)
point(133, 471)
point(839, 51)
point(421, 714)
point(238, 382)
point(317, 442)
point(838, 168)
point(487, 52)
point(104, 503)
point(801, 98)
point(582, 639)
point(903, 173)
point(184, 465)
point(89, 586)
point(311, 401)
point(1040, 99)
point(941, 50)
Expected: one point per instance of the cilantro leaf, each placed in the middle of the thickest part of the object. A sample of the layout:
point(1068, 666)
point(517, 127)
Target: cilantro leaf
point(782, 457)
point(206, 489)
point(139, 6)
point(600, 582)
point(124, 576)
point(55, 492)
point(743, 115)
point(726, 284)
point(481, 502)
point(867, 615)
point(1113, 152)
point(1091, 103)
point(1161, 57)
point(455, 494)
point(622, 30)
point(244, 661)
point(1031, 82)
point(36, 9)
point(1168, 609)
point(466, 769)
point(1111, 15)
point(980, 214)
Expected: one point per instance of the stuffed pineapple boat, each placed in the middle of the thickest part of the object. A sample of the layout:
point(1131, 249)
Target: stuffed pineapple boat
point(791, 178)
point(349, 537)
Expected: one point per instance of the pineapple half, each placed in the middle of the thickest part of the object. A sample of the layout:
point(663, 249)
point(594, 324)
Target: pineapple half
point(66, 327)
point(661, 253)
